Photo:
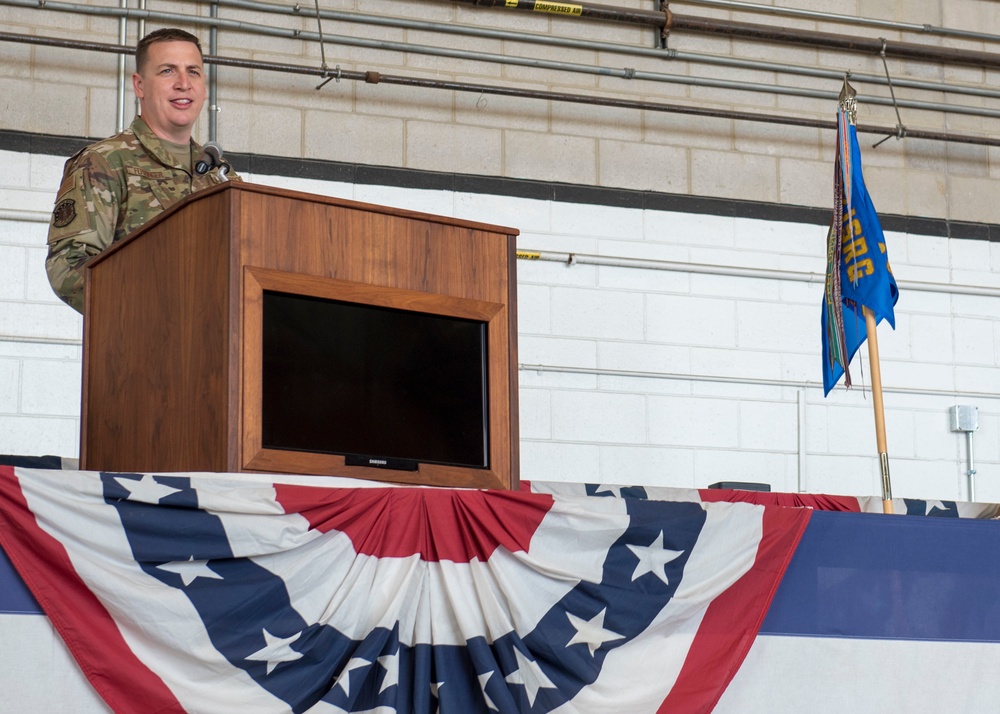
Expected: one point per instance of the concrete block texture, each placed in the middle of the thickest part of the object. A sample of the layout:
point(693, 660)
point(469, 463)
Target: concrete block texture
point(693, 422)
point(597, 313)
point(10, 385)
point(690, 320)
point(646, 466)
point(13, 263)
point(50, 388)
point(597, 417)
point(38, 436)
point(560, 461)
point(708, 115)
point(448, 147)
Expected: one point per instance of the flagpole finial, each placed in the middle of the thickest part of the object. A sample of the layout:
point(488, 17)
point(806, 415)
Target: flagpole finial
point(848, 101)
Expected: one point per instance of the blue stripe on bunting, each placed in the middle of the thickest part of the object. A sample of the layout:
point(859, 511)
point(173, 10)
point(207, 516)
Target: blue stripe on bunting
point(884, 577)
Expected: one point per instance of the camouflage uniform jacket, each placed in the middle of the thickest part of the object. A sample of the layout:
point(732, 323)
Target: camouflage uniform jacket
point(108, 190)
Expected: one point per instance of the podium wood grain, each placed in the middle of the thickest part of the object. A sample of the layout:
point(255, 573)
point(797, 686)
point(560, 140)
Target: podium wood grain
point(172, 333)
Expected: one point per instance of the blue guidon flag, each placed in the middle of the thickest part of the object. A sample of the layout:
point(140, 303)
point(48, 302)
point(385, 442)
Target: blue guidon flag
point(240, 593)
point(857, 270)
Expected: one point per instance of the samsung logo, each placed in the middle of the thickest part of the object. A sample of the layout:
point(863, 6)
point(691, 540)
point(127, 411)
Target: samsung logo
point(378, 462)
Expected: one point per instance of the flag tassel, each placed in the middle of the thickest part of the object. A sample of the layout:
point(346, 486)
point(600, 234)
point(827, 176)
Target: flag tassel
point(880, 440)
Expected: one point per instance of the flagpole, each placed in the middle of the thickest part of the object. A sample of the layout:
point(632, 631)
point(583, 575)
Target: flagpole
point(880, 442)
point(848, 105)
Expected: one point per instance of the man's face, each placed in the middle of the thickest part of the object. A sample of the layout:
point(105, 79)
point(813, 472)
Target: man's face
point(171, 89)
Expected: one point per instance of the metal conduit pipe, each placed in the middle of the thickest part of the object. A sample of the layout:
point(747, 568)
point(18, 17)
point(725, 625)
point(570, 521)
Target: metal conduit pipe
point(377, 78)
point(528, 37)
point(650, 52)
point(623, 73)
point(802, 384)
point(829, 40)
point(10, 214)
point(922, 28)
point(652, 18)
point(735, 271)
point(213, 75)
point(120, 112)
point(24, 340)
point(670, 21)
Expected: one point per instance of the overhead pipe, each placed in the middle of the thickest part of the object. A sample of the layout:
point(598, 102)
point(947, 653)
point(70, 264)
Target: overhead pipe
point(721, 379)
point(624, 73)
point(658, 53)
point(652, 18)
point(379, 78)
point(736, 271)
point(829, 40)
point(823, 16)
point(669, 21)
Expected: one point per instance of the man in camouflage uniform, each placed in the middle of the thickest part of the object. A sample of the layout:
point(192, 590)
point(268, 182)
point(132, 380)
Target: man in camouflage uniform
point(113, 187)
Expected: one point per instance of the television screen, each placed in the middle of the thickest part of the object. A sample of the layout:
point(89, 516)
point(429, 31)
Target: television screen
point(375, 382)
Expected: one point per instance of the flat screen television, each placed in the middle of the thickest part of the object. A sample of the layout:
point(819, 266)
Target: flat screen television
point(382, 386)
point(376, 382)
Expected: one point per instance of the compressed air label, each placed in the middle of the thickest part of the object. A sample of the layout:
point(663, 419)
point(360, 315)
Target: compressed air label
point(559, 8)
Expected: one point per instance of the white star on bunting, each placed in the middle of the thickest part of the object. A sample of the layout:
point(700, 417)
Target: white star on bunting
point(190, 570)
point(435, 692)
point(653, 558)
point(613, 490)
point(483, 679)
point(344, 679)
point(276, 650)
point(145, 489)
point(390, 663)
point(530, 675)
point(591, 632)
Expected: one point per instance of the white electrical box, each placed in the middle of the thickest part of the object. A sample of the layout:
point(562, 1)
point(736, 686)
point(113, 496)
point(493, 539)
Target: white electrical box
point(964, 418)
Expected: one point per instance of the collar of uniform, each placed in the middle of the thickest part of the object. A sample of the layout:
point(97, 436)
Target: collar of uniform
point(151, 142)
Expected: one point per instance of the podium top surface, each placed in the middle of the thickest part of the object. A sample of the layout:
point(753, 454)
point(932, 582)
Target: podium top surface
point(236, 187)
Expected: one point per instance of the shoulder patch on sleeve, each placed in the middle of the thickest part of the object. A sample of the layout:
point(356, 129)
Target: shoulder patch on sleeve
point(64, 213)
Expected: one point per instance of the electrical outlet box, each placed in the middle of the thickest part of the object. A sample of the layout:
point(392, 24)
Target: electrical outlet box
point(964, 418)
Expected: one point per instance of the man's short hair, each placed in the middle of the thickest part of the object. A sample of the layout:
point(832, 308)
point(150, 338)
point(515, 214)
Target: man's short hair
point(167, 34)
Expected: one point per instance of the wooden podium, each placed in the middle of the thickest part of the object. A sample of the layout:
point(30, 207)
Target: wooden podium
point(172, 335)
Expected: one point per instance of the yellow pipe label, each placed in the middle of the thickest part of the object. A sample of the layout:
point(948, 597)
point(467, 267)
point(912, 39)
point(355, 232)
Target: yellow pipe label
point(559, 8)
point(528, 255)
point(510, 3)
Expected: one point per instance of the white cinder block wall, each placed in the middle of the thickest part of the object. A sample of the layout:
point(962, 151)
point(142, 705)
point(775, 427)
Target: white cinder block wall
point(679, 377)
point(635, 375)
point(39, 339)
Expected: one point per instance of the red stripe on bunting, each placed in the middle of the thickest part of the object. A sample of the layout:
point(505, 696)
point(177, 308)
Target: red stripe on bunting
point(437, 524)
point(125, 683)
point(817, 502)
point(733, 620)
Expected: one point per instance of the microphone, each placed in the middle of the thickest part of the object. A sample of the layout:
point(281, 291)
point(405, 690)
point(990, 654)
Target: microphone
point(210, 158)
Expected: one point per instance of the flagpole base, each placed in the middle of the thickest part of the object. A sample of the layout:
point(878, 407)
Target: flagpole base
point(883, 458)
